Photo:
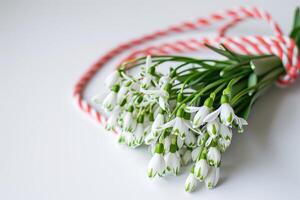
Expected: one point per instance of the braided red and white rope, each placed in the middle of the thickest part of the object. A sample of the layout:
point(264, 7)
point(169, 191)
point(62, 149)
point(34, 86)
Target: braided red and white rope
point(279, 44)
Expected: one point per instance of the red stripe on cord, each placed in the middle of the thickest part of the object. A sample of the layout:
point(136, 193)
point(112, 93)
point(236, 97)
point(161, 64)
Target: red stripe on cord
point(254, 46)
point(240, 46)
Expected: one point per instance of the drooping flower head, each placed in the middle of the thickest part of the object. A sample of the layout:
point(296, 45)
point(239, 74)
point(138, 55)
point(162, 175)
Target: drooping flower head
point(157, 165)
point(191, 182)
point(173, 160)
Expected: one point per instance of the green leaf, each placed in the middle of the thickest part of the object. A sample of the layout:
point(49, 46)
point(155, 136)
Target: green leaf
point(295, 32)
point(296, 23)
point(262, 66)
point(221, 52)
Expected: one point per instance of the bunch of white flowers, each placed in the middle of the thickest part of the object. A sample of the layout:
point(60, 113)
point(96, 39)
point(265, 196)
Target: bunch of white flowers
point(185, 116)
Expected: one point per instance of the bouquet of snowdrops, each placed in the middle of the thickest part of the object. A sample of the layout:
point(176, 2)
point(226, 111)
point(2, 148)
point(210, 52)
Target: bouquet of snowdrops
point(188, 114)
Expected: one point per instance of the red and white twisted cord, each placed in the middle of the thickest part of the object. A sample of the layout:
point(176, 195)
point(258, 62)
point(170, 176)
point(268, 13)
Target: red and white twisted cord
point(278, 44)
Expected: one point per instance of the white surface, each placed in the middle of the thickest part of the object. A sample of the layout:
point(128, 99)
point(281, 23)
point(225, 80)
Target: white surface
point(49, 150)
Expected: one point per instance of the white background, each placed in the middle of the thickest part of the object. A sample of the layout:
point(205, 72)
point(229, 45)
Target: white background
point(49, 150)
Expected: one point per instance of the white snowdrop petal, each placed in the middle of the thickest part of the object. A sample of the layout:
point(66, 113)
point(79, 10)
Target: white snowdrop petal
point(225, 132)
point(243, 121)
point(180, 142)
point(213, 177)
point(208, 141)
point(195, 153)
point(223, 144)
point(191, 183)
point(162, 103)
point(186, 157)
point(213, 128)
point(112, 79)
point(213, 156)
point(212, 116)
point(191, 109)
point(226, 114)
point(201, 169)
point(149, 138)
point(172, 163)
point(168, 124)
point(167, 144)
point(158, 122)
point(110, 101)
point(156, 166)
point(122, 94)
point(190, 140)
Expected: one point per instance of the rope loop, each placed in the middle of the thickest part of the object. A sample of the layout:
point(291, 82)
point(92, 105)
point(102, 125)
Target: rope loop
point(278, 44)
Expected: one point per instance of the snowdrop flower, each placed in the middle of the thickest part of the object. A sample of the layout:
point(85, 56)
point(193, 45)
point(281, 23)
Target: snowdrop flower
point(213, 156)
point(213, 128)
point(191, 183)
point(190, 139)
point(173, 160)
point(113, 119)
point(129, 139)
point(186, 157)
point(179, 124)
point(226, 113)
point(225, 132)
point(201, 169)
point(159, 95)
point(139, 133)
point(146, 81)
point(157, 165)
point(179, 127)
point(163, 100)
point(200, 139)
point(240, 122)
point(111, 99)
point(223, 144)
point(201, 112)
point(122, 94)
point(200, 115)
point(164, 80)
point(213, 177)
point(112, 79)
point(148, 72)
point(158, 122)
point(165, 87)
point(128, 122)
